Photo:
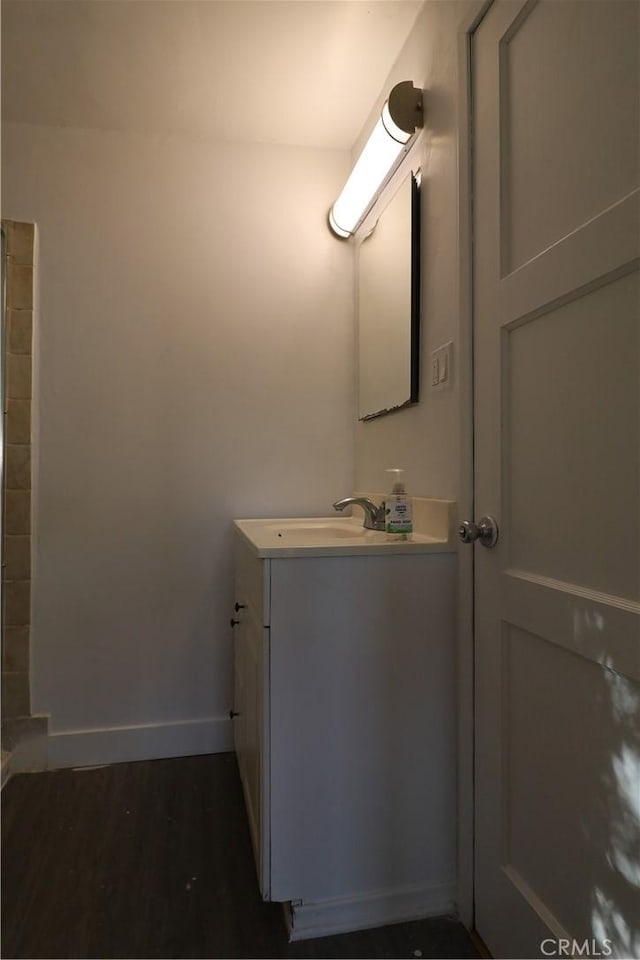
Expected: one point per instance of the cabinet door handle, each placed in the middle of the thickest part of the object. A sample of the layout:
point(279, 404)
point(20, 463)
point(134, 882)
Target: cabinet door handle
point(233, 622)
point(238, 606)
point(233, 713)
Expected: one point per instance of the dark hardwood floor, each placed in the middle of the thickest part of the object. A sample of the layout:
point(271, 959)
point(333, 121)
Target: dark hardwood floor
point(153, 859)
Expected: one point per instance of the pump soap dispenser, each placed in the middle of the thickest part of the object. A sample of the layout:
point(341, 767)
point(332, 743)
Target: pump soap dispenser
point(398, 514)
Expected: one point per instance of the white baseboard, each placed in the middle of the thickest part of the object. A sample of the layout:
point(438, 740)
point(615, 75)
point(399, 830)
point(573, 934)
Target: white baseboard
point(148, 741)
point(327, 917)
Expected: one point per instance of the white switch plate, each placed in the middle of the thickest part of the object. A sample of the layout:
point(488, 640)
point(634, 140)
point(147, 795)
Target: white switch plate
point(441, 366)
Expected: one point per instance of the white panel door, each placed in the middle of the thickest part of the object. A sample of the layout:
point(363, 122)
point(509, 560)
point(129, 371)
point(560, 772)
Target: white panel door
point(557, 436)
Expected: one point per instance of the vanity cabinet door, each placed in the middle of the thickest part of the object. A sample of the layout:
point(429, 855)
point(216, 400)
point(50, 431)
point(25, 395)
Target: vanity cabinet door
point(251, 658)
point(241, 696)
point(251, 652)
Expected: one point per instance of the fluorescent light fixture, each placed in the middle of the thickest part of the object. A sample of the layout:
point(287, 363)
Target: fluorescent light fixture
point(389, 141)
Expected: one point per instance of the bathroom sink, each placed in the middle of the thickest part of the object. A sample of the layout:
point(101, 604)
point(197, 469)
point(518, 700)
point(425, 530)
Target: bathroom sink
point(306, 533)
point(329, 536)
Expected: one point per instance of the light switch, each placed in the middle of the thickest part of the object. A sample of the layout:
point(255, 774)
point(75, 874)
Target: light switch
point(441, 360)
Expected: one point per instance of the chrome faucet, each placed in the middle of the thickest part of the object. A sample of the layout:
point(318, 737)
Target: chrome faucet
point(373, 516)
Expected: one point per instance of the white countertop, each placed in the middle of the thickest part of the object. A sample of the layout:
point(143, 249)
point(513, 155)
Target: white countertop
point(331, 537)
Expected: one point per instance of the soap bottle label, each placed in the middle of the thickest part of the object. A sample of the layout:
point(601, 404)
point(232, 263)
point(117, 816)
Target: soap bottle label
point(398, 517)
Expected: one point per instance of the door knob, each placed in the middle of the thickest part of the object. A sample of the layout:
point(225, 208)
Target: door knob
point(486, 531)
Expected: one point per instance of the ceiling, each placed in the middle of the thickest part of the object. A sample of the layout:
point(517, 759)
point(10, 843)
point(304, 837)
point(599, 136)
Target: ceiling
point(303, 72)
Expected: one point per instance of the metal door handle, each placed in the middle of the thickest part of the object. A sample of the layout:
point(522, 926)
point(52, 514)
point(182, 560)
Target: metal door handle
point(486, 531)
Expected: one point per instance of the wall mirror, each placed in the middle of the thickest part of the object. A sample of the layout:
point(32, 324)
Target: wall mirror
point(388, 307)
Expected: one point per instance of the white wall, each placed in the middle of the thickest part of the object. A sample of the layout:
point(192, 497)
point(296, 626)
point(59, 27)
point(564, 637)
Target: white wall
point(425, 439)
point(194, 364)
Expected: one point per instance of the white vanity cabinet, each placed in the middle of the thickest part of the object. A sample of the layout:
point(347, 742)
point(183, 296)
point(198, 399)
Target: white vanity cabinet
point(345, 732)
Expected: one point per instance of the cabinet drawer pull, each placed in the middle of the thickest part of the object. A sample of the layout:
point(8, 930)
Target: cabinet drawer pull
point(233, 713)
point(238, 606)
point(233, 622)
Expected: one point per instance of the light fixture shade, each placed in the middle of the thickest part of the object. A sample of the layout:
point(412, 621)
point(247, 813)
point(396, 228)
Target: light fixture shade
point(389, 141)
